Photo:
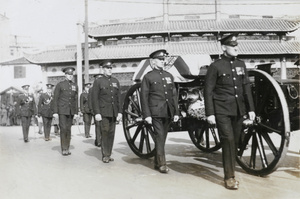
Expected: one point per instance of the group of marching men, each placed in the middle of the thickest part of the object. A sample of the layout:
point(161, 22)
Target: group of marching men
point(227, 94)
point(62, 106)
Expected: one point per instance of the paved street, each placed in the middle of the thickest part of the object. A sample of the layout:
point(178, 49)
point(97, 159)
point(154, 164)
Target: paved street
point(38, 170)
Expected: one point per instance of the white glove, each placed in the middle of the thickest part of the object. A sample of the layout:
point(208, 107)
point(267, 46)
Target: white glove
point(211, 120)
point(98, 117)
point(176, 118)
point(55, 115)
point(148, 120)
point(76, 116)
point(251, 115)
point(119, 117)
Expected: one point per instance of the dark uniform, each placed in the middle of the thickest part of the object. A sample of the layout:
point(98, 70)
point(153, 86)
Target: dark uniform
point(159, 101)
point(228, 96)
point(97, 123)
point(45, 109)
point(26, 108)
point(106, 101)
point(65, 104)
point(86, 111)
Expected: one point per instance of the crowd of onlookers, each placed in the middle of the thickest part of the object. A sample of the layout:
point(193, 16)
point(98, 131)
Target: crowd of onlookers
point(8, 116)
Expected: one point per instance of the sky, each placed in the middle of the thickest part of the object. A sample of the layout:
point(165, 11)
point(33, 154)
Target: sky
point(53, 22)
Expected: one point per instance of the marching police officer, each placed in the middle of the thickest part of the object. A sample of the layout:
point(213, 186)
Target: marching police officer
point(159, 104)
point(97, 123)
point(45, 109)
point(26, 108)
point(65, 107)
point(106, 103)
point(228, 98)
point(85, 109)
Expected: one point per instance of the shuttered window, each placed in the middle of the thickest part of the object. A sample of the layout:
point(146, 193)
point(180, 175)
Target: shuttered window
point(19, 72)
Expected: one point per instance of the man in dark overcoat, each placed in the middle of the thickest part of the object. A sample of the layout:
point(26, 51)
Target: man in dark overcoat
point(97, 123)
point(26, 108)
point(159, 102)
point(85, 109)
point(65, 107)
point(45, 110)
point(228, 99)
point(106, 103)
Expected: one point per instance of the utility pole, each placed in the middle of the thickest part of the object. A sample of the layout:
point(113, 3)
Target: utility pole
point(79, 60)
point(86, 45)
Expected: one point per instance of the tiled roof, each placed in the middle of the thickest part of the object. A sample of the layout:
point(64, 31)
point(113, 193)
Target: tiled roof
point(141, 51)
point(194, 26)
point(21, 60)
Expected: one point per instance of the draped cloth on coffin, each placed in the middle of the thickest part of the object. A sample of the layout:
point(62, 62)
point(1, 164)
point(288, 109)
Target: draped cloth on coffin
point(183, 68)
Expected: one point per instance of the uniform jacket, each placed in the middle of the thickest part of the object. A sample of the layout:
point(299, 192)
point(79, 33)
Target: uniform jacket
point(65, 100)
point(106, 97)
point(45, 106)
point(227, 89)
point(158, 95)
point(84, 102)
point(26, 105)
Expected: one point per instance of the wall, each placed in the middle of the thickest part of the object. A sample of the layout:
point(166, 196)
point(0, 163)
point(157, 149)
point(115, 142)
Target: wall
point(33, 76)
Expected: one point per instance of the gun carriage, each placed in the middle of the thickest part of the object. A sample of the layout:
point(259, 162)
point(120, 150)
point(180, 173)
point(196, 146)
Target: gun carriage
point(265, 142)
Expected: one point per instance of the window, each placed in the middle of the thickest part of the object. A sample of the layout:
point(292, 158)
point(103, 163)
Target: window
point(19, 72)
point(123, 66)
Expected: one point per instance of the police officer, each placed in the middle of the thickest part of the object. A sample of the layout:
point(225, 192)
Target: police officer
point(45, 109)
point(26, 108)
point(159, 104)
point(106, 103)
point(85, 109)
point(65, 107)
point(97, 123)
point(228, 98)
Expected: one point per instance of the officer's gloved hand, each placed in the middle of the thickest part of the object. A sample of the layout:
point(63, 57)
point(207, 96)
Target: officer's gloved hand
point(55, 115)
point(251, 115)
point(148, 120)
point(176, 118)
point(76, 116)
point(98, 117)
point(211, 120)
point(119, 117)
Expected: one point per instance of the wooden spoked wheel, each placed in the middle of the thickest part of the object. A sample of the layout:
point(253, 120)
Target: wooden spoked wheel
point(136, 130)
point(264, 144)
point(204, 137)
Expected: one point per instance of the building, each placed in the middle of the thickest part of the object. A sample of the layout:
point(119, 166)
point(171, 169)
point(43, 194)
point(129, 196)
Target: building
point(18, 72)
point(262, 40)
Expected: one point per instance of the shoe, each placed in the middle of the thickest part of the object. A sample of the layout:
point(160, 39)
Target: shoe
point(69, 153)
point(64, 153)
point(111, 159)
point(232, 184)
point(105, 159)
point(163, 169)
point(97, 144)
point(26, 140)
